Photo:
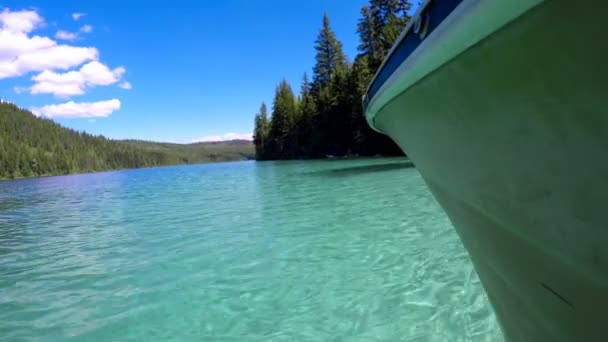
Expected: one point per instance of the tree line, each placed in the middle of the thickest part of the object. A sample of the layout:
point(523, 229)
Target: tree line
point(326, 118)
point(32, 146)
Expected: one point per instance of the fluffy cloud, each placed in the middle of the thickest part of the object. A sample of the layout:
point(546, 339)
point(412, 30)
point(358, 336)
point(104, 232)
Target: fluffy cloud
point(54, 57)
point(71, 36)
point(225, 137)
point(86, 29)
point(21, 53)
point(20, 21)
point(13, 44)
point(65, 35)
point(96, 73)
point(125, 85)
point(62, 70)
point(77, 15)
point(71, 109)
point(75, 82)
point(14, 39)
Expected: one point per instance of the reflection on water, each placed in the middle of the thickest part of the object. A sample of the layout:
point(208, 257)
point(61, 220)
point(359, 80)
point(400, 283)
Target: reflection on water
point(351, 250)
point(363, 169)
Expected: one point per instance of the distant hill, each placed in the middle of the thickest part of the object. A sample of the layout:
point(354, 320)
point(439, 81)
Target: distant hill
point(32, 146)
point(200, 152)
point(225, 142)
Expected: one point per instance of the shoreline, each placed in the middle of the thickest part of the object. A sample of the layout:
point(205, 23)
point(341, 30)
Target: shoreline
point(123, 169)
point(204, 163)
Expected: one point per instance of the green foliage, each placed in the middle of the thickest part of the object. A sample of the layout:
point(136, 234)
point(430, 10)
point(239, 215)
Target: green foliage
point(196, 153)
point(329, 55)
point(261, 131)
point(328, 119)
point(31, 146)
point(379, 27)
point(304, 124)
point(281, 137)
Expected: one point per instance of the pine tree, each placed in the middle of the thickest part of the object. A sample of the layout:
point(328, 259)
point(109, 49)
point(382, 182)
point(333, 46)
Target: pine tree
point(360, 77)
point(306, 116)
point(330, 68)
point(260, 135)
point(379, 27)
point(283, 112)
point(338, 113)
point(327, 118)
point(329, 55)
point(368, 35)
point(31, 146)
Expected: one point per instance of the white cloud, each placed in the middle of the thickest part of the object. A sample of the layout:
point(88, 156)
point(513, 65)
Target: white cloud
point(238, 136)
point(20, 21)
point(72, 110)
point(86, 28)
point(54, 57)
point(77, 15)
point(225, 137)
point(62, 70)
point(96, 73)
point(13, 44)
point(125, 85)
point(209, 138)
point(65, 35)
point(21, 53)
point(75, 82)
point(71, 36)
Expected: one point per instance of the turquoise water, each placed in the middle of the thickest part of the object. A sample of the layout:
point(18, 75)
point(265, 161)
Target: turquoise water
point(352, 250)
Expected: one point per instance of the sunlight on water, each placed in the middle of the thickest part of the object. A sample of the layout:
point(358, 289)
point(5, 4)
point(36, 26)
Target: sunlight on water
point(289, 251)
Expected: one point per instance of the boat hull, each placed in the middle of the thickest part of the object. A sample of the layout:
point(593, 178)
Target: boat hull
point(511, 137)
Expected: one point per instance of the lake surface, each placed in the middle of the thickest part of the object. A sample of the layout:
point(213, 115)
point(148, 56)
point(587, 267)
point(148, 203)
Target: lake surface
point(350, 250)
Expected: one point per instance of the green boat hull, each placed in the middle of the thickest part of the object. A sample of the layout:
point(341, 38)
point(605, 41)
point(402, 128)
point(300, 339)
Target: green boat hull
point(511, 137)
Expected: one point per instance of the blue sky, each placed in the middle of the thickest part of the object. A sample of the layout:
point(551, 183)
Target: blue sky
point(197, 69)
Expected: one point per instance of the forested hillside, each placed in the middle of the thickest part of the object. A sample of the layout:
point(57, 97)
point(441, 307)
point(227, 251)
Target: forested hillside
point(199, 152)
point(326, 118)
point(31, 146)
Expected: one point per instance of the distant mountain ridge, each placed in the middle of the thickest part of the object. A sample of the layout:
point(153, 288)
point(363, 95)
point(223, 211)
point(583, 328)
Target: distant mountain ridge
point(225, 142)
point(218, 142)
point(31, 146)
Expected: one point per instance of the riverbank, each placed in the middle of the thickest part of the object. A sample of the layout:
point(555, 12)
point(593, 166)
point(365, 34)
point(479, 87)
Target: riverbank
point(127, 169)
point(394, 160)
point(31, 147)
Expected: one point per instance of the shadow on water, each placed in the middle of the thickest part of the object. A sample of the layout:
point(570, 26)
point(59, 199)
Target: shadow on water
point(364, 169)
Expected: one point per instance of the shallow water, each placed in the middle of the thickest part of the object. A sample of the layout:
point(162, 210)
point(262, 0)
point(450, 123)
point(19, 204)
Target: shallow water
point(350, 250)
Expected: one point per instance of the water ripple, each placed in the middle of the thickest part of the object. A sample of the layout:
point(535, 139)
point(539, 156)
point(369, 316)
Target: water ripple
point(353, 250)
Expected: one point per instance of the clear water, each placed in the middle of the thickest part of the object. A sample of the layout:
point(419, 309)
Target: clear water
point(287, 251)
